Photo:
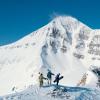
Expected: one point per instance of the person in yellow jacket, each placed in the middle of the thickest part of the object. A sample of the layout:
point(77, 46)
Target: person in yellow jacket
point(41, 78)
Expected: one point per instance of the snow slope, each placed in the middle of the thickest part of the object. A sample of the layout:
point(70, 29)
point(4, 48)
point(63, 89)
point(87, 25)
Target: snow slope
point(54, 93)
point(64, 45)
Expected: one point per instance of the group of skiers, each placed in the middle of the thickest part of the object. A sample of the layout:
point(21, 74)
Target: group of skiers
point(49, 78)
point(58, 77)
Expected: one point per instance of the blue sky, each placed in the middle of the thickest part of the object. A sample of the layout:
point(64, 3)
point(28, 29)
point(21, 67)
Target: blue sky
point(20, 17)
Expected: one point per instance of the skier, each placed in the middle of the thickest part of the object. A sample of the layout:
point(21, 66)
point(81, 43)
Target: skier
point(58, 78)
point(83, 80)
point(41, 78)
point(49, 76)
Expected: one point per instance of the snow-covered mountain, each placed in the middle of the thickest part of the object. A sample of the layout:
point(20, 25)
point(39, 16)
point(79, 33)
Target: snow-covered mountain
point(64, 45)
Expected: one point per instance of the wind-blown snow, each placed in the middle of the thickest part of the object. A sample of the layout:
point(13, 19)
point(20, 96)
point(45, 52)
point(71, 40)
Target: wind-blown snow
point(64, 45)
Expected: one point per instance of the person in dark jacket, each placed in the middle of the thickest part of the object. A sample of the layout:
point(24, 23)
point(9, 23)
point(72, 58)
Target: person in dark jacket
point(58, 78)
point(49, 76)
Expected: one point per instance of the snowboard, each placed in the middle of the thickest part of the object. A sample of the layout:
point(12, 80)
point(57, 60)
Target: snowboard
point(59, 79)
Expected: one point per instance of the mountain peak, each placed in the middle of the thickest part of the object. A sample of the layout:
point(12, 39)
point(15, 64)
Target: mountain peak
point(65, 18)
point(68, 20)
point(68, 23)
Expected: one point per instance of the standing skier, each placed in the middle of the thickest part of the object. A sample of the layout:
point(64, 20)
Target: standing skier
point(49, 76)
point(58, 78)
point(41, 78)
point(83, 80)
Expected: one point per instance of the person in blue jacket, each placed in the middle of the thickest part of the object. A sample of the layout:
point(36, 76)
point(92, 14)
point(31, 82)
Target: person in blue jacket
point(49, 77)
